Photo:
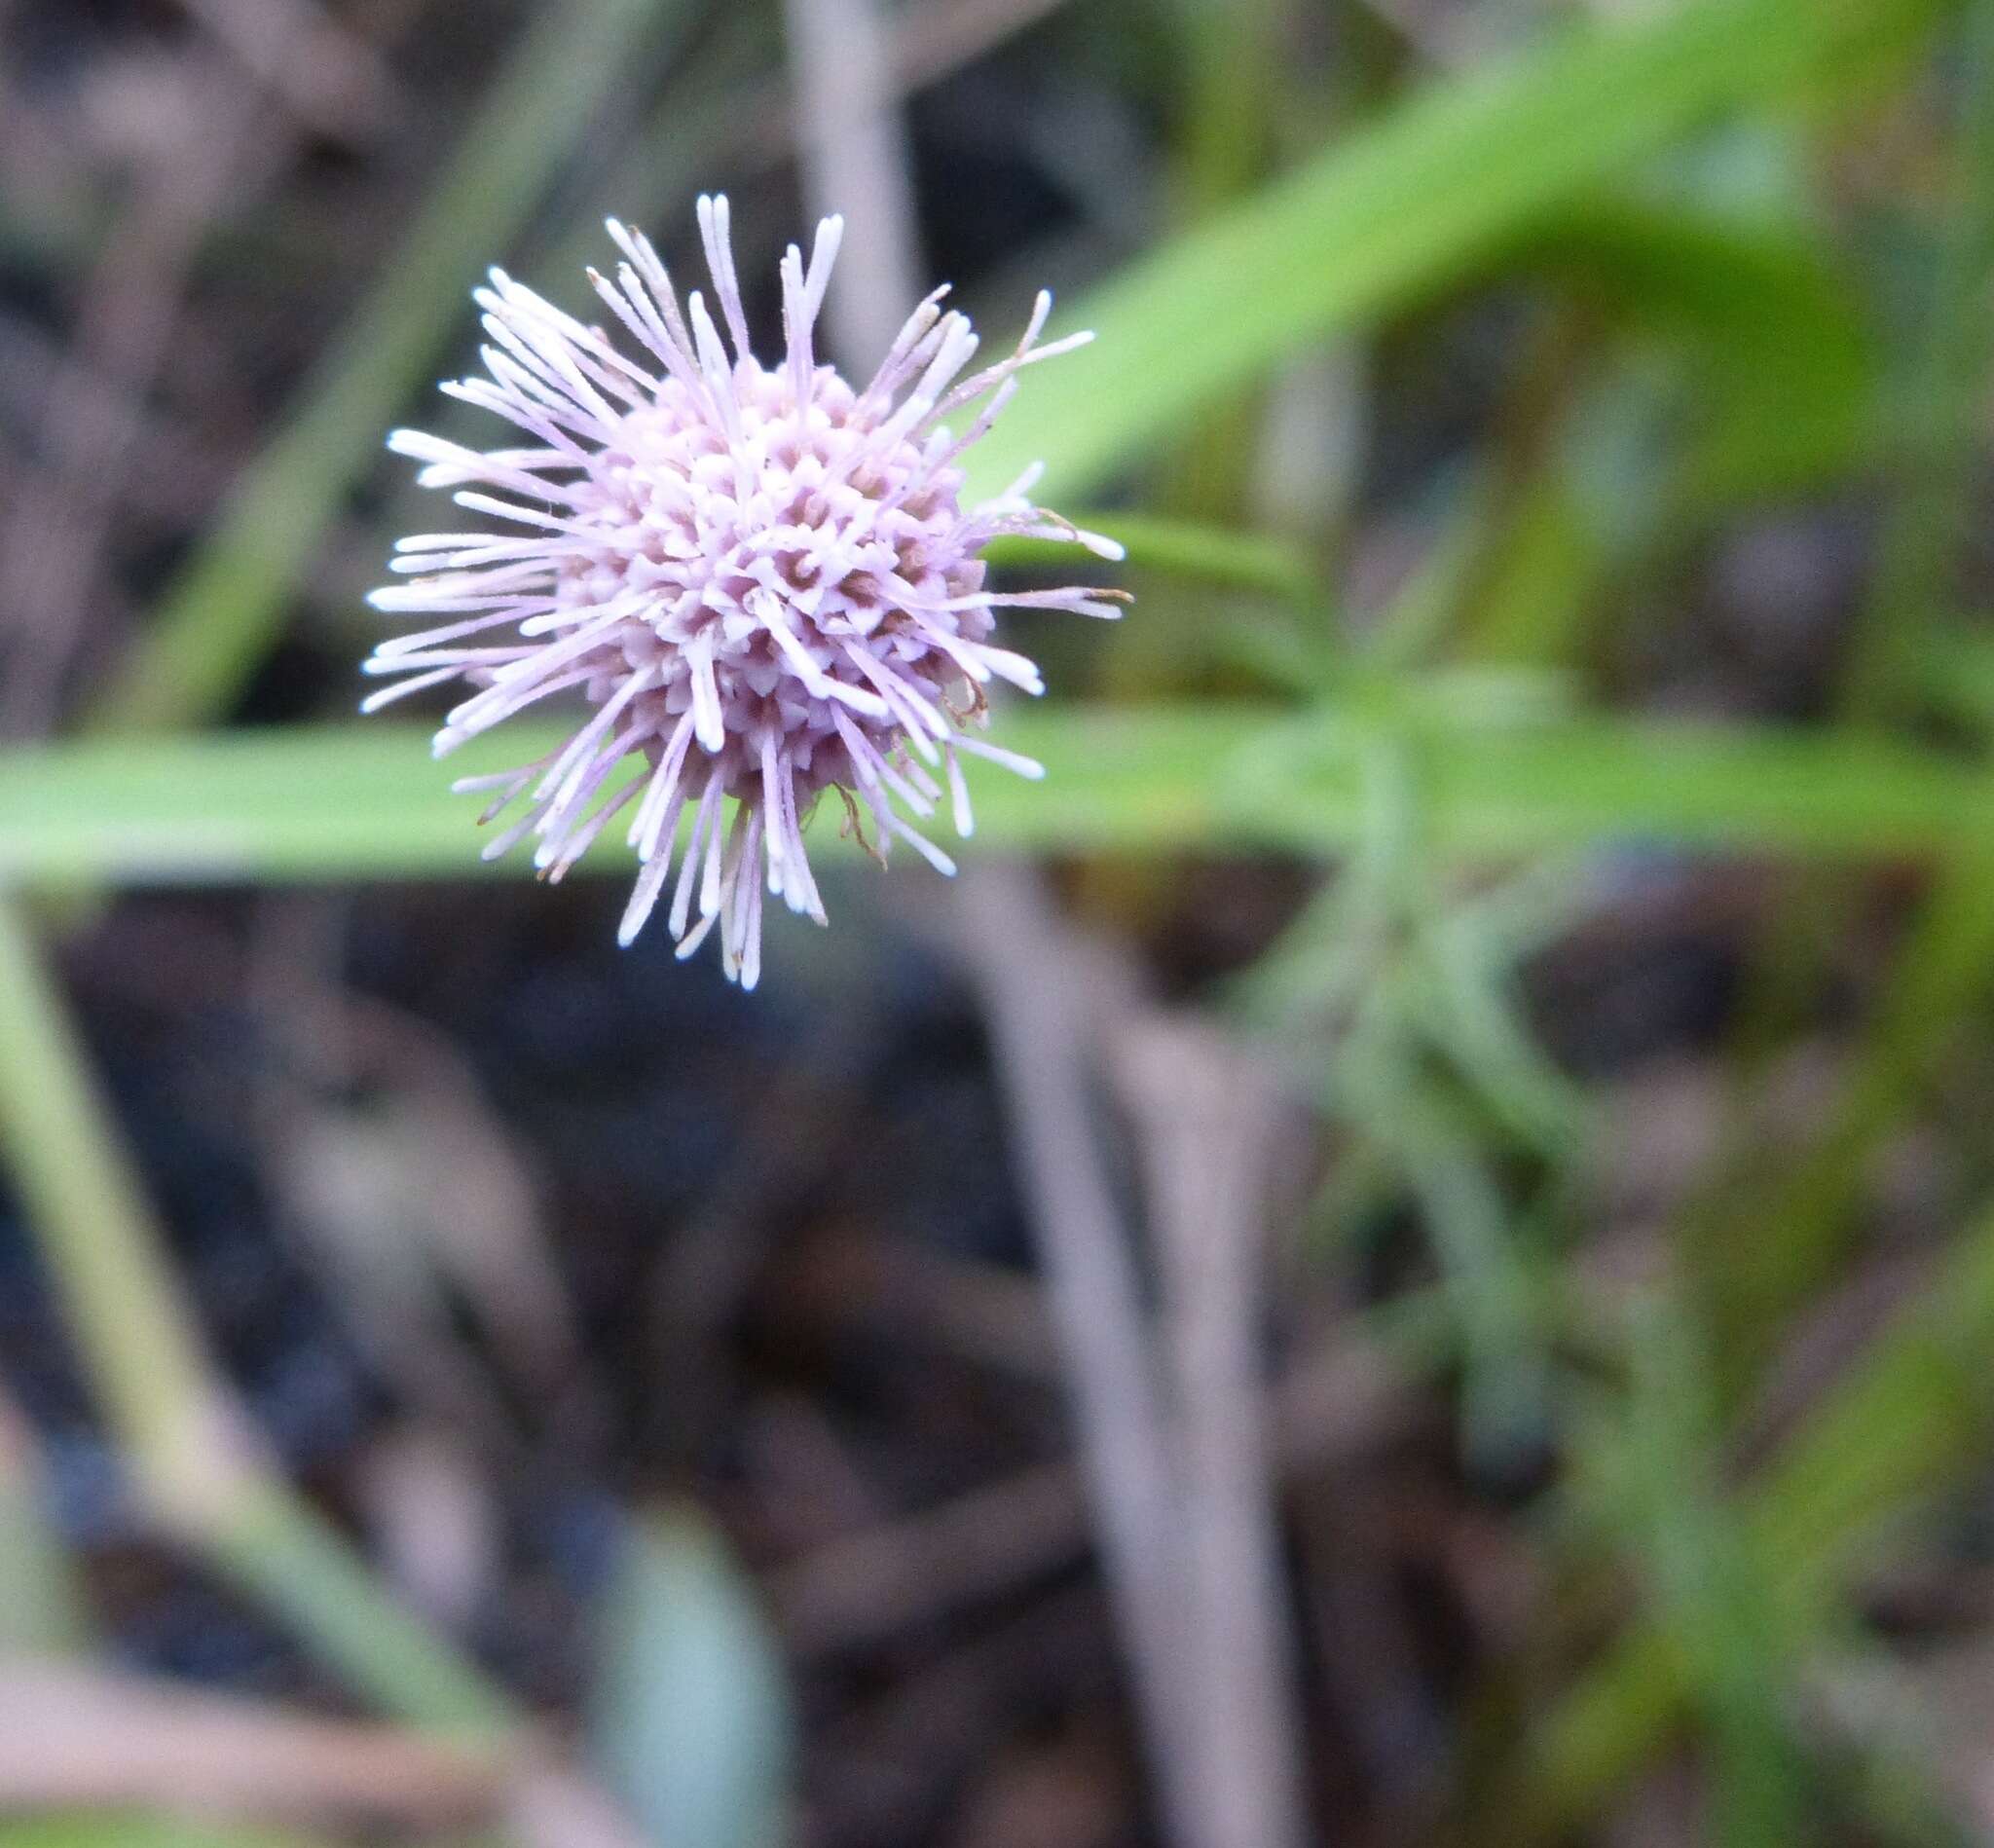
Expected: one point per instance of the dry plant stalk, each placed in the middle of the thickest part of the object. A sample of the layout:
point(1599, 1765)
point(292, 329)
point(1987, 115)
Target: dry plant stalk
point(93, 1738)
point(1177, 1443)
point(1208, 1117)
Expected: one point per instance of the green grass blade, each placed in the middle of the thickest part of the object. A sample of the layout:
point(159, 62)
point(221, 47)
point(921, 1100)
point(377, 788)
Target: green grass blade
point(1929, 526)
point(1755, 1278)
point(125, 1829)
point(44, 1609)
point(218, 618)
point(356, 803)
point(1181, 548)
point(1650, 1471)
point(1915, 1412)
point(1773, 1239)
point(1785, 362)
point(1440, 185)
point(691, 1716)
point(198, 1470)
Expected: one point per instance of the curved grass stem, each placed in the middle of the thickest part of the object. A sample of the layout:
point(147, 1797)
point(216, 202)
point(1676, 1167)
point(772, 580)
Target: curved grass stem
point(198, 1463)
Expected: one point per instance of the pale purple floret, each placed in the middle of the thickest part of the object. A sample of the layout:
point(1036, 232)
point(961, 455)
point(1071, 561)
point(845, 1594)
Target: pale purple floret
point(762, 580)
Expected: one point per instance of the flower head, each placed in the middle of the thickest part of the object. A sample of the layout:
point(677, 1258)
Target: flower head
point(761, 580)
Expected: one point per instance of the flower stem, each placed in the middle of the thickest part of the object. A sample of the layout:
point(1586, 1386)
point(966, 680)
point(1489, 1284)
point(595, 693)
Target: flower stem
point(198, 1464)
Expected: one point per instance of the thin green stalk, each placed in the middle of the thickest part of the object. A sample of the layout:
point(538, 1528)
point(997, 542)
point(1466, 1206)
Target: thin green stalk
point(1766, 1245)
point(42, 1611)
point(704, 120)
point(137, 1829)
point(367, 801)
point(1559, 353)
point(1233, 74)
point(1214, 555)
point(1928, 527)
point(1388, 215)
point(215, 621)
point(1914, 1413)
point(1946, 962)
point(1708, 1587)
point(197, 1462)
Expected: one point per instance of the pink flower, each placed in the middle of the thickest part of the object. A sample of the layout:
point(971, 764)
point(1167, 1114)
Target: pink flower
point(762, 580)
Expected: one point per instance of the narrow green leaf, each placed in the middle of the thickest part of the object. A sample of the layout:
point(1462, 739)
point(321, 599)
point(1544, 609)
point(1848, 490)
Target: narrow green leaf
point(1181, 548)
point(1400, 210)
point(137, 1335)
point(1808, 1210)
point(42, 1611)
point(1650, 1468)
point(216, 619)
point(354, 802)
point(1772, 1239)
point(1786, 365)
point(689, 1720)
point(1915, 1412)
point(122, 1829)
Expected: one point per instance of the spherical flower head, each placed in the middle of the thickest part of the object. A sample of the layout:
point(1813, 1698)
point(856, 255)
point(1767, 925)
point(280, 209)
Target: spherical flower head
point(763, 581)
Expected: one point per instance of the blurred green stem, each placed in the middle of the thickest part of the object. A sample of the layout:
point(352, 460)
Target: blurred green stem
point(1710, 1588)
point(1801, 1217)
point(42, 1611)
point(1770, 1238)
point(1216, 555)
point(1915, 1412)
point(1917, 573)
point(198, 1464)
point(218, 618)
point(1234, 74)
point(351, 802)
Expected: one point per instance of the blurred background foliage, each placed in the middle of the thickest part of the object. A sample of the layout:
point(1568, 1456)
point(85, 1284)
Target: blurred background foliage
point(1481, 1117)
